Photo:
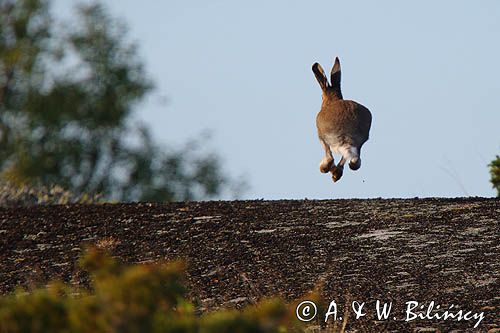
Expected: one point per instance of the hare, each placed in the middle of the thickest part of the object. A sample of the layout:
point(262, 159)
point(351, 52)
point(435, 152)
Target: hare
point(343, 125)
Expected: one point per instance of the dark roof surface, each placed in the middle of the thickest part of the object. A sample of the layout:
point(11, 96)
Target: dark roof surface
point(442, 250)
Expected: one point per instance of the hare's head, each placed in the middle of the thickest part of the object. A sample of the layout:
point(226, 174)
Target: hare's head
point(333, 90)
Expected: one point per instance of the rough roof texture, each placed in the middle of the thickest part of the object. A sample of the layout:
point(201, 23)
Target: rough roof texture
point(442, 250)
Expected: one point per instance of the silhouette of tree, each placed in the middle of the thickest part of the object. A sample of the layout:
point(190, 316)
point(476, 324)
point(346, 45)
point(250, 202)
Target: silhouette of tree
point(66, 100)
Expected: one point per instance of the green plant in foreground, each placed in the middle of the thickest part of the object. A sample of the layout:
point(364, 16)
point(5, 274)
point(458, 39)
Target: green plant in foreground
point(136, 298)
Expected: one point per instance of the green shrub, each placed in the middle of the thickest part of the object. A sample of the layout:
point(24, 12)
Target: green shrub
point(13, 195)
point(495, 174)
point(137, 298)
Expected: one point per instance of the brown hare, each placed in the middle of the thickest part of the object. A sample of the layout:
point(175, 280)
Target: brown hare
point(343, 125)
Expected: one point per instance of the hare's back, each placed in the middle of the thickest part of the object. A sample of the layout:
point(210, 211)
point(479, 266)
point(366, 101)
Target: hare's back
point(344, 118)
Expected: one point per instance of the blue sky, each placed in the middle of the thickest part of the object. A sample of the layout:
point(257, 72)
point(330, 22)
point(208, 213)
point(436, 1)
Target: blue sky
point(429, 71)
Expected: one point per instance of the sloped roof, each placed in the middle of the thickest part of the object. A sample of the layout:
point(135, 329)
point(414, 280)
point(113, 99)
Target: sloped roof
point(442, 250)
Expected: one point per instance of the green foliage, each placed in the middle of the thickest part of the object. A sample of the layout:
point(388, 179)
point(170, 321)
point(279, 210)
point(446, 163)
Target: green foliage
point(137, 298)
point(14, 196)
point(67, 94)
point(495, 174)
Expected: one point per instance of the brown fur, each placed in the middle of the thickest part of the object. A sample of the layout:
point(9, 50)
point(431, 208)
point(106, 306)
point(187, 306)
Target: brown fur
point(346, 118)
point(343, 125)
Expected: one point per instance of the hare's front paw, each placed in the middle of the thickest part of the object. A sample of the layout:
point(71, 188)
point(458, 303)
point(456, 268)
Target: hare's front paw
point(337, 173)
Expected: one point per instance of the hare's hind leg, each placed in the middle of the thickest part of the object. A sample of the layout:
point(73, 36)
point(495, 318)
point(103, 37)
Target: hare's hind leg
point(326, 163)
point(355, 162)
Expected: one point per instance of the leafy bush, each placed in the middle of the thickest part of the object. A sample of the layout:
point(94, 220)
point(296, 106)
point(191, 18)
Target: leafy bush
point(137, 298)
point(12, 195)
point(495, 174)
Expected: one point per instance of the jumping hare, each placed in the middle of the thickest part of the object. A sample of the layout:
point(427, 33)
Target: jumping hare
point(343, 125)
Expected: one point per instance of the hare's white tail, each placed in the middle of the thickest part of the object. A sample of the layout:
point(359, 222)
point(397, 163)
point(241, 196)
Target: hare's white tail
point(350, 154)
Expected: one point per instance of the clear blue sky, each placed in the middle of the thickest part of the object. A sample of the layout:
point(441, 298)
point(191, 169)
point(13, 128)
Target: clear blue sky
point(429, 71)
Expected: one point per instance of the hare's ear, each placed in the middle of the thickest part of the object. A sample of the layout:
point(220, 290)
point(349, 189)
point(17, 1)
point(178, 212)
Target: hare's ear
point(320, 76)
point(335, 74)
